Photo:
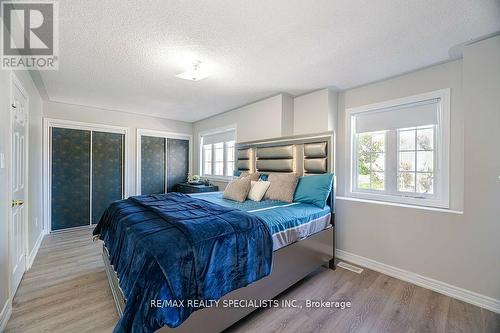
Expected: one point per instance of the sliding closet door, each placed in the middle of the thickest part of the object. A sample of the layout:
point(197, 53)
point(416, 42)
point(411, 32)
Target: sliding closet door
point(153, 165)
point(107, 171)
point(70, 178)
point(177, 162)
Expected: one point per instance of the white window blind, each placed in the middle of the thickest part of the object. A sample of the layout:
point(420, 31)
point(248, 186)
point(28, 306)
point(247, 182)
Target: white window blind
point(225, 136)
point(402, 116)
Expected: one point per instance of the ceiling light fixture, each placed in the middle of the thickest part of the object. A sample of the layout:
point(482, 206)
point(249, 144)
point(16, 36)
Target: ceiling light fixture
point(196, 73)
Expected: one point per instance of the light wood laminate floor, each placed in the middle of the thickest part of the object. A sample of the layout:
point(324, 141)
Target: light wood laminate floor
point(66, 290)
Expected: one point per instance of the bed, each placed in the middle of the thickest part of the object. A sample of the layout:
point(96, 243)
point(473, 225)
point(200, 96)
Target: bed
point(288, 222)
point(301, 237)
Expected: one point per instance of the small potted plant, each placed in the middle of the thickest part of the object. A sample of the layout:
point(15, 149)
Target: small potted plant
point(194, 179)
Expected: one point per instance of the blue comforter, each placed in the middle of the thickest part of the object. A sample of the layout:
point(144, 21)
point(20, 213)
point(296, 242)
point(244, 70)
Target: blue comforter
point(172, 247)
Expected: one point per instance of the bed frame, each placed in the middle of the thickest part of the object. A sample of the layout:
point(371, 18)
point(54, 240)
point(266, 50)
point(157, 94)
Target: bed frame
point(301, 154)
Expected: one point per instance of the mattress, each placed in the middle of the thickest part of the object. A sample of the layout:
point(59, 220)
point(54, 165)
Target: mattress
point(288, 222)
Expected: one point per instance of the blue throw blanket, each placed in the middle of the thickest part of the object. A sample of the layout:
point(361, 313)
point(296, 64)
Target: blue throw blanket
point(178, 248)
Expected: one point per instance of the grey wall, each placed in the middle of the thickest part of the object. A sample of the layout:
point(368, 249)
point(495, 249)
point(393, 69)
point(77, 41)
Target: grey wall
point(459, 249)
point(35, 173)
point(117, 118)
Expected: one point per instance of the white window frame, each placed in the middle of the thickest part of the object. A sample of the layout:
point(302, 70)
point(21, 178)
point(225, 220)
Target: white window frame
point(201, 153)
point(440, 197)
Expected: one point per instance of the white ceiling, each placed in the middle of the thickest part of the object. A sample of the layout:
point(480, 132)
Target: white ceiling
point(124, 55)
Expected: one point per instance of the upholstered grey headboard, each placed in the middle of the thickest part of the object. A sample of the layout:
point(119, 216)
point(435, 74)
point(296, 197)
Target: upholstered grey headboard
point(302, 154)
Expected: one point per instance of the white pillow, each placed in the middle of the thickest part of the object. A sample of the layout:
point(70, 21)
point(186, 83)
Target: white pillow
point(258, 190)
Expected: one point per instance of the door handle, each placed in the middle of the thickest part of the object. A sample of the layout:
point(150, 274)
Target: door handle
point(17, 203)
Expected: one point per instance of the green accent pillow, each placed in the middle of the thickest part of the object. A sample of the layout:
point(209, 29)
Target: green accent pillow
point(314, 189)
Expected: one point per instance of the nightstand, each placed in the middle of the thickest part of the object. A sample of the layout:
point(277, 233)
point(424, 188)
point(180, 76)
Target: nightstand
point(191, 188)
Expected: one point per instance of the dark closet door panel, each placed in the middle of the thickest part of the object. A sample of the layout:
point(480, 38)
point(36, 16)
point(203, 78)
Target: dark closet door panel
point(177, 162)
point(152, 165)
point(70, 178)
point(107, 171)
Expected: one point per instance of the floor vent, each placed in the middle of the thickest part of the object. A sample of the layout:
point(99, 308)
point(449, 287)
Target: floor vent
point(350, 267)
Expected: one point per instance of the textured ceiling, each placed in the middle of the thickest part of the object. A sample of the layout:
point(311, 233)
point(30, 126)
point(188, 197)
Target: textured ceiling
point(124, 55)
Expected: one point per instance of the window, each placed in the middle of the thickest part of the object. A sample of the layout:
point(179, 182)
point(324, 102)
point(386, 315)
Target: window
point(400, 150)
point(218, 154)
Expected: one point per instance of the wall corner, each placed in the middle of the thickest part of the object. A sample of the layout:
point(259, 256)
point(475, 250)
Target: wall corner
point(286, 115)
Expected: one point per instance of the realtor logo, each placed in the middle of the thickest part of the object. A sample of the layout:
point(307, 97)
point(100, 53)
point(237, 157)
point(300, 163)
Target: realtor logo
point(30, 35)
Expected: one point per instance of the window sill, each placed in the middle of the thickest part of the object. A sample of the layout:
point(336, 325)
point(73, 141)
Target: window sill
point(224, 179)
point(380, 202)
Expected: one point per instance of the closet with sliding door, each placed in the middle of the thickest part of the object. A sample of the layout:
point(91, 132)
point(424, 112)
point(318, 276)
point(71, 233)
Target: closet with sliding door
point(87, 173)
point(163, 161)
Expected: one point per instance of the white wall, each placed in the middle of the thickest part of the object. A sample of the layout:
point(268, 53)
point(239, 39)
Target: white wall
point(116, 118)
point(460, 249)
point(268, 118)
point(481, 247)
point(4, 188)
point(35, 180)
point(35, 166)
point(315, 112)
point(287, 115)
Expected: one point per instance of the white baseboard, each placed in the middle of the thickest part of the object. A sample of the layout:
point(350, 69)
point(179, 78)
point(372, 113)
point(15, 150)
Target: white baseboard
point(34, 251)
point(468, 296)
point(5, 315)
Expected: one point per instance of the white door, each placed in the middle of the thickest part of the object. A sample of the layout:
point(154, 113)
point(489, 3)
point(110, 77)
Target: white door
point(18, 166)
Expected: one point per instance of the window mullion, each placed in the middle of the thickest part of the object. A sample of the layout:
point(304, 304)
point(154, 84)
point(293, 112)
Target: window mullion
point(202, 172)
point(212, 162)
point(203, 160)
point(415, 161)
point(354, 165)
point(370, 173)
point(436, 165)
point(224, 159)
point(391, 173)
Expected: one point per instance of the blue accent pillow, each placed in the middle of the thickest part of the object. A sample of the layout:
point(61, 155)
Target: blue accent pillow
point(236, 173)
point(314, 189)
point(264, 177)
